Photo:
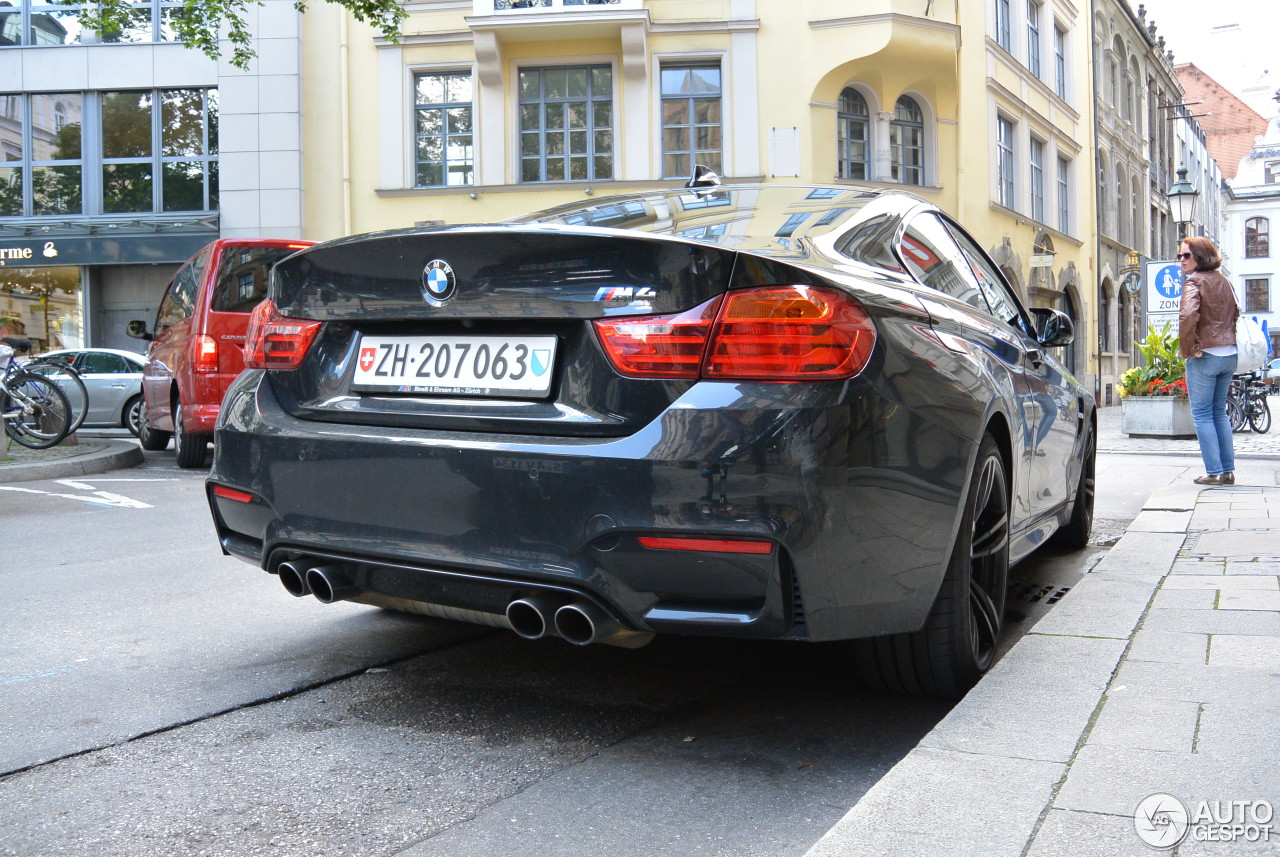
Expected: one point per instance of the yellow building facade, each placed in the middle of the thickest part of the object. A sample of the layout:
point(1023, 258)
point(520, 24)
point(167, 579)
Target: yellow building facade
point(487, 109)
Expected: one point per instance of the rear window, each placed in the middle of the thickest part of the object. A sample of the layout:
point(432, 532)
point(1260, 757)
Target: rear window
point(242, 277)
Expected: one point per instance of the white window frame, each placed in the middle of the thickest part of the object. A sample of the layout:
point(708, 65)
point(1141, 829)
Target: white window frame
point(1006, 161)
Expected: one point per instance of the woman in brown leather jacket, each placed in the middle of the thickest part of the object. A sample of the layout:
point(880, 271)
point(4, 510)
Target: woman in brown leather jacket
point(1207, 338)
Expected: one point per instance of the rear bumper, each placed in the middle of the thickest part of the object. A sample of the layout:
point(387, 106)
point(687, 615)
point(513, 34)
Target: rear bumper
point(854, 496)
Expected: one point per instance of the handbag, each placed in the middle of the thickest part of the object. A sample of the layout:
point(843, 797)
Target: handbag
point(1252, 346)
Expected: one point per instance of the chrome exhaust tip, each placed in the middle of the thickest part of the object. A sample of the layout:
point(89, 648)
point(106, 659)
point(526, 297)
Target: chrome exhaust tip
point(533, 617)
point(329, 583)
point(293, 576)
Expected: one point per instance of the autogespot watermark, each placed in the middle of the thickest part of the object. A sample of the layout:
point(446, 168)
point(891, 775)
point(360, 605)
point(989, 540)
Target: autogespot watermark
point(1163, 821)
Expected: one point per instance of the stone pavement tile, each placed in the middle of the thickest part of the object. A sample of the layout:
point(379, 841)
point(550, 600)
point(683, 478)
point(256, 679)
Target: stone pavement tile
point(1113, 780)
point(1198, 565)
point(1236, 545)
point(1173, 499)
point(1169, 647)
point(1221, 582)
point(1255, 566)
point(990, 806)
point(1139, 722)
point(1206, 520)
point(1261, 653)
point(1100, 605)
point(1244, 730)
point(1085, 834)
point(1249, 600)
point(1241, 523)
point(1035, 703)
point(1159, 521)
point(1194, 599)
point(1195, 683)
point(1255, 622)
point(1142, 553)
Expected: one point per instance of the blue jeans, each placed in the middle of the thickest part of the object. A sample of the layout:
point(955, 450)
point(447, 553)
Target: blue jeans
point(1208, 378)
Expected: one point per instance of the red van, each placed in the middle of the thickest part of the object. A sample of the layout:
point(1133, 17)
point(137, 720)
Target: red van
point(195, 348)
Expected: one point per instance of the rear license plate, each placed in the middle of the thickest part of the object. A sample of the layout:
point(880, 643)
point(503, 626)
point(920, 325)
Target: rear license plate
point(456, 365)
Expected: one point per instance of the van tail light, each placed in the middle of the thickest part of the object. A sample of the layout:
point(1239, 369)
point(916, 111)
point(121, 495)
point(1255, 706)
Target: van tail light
point(206, 356)
point(773, 333)
point(275, 342)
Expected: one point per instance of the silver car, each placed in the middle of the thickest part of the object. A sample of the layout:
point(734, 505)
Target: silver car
point(112, 379)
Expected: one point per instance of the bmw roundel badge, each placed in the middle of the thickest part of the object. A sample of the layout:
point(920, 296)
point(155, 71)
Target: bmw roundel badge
point(438, 282)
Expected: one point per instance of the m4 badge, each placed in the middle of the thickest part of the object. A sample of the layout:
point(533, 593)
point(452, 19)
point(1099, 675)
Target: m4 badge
point(618, 294)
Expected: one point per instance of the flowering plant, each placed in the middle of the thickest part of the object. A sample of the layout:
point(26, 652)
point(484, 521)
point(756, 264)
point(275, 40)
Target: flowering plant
point(1165, 373)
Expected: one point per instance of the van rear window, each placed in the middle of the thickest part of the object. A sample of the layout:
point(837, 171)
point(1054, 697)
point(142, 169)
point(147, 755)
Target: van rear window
point(242, 277)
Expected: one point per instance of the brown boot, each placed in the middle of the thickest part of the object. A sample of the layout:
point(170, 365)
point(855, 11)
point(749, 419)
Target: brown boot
point(1211, 479)
point(1228, 478)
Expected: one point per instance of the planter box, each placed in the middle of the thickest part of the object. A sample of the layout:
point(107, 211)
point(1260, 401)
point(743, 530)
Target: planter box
point(1156, 416)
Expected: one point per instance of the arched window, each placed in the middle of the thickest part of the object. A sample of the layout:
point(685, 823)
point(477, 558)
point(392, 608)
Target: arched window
point(1120, 219)
point(853, 159)
point(1104, 317)
point(906, 142)
point(1123, 323)
point(1257, 238)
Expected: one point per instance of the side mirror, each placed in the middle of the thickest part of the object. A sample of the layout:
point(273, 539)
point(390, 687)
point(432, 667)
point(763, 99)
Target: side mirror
point(138, 330)
point(1054, 327)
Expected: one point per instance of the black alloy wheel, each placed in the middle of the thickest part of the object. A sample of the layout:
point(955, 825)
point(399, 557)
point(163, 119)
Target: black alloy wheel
point(1074, 535)
point(962, 632)
point(188, 448)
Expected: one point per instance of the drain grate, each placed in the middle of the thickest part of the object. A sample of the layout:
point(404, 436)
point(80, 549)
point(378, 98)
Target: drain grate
point(1040, 593)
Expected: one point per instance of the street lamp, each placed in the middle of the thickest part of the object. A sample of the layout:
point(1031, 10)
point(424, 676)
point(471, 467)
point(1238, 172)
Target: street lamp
point(1182, 201)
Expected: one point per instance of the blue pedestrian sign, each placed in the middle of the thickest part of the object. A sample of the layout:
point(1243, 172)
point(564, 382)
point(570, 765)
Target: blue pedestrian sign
point(1164, 287)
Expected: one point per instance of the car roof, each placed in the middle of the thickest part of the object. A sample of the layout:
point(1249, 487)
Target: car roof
point(135, 355)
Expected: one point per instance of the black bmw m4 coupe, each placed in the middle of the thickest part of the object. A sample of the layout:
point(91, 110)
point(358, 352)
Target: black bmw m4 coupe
point(766, 412)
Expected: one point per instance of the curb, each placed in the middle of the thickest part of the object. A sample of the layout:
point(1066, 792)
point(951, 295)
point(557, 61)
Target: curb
point(989, 773)
point(119, 454)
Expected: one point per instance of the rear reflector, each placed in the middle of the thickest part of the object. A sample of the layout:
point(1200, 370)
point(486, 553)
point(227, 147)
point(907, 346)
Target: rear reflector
point(275, 342)
point(775, 333)
point(232, 494)
point(684, 543)
point(206, 356)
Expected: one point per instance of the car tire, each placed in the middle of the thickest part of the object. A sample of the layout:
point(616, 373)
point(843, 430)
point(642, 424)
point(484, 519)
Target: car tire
point(189, 448)
point(131, 416)
point(959, 639)
point(150, 439)
point(1074, 535)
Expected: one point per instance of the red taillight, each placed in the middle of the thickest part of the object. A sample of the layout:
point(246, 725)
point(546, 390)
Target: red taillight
point(686, 543)
point(206, 356)
point(232, 494)
point(275, 342)
point(659, 346)
point(775, 333)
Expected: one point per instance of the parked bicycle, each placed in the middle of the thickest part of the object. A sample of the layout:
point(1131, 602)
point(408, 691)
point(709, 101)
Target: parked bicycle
point(36, 413)
point(1247, 404)
point(67, 377)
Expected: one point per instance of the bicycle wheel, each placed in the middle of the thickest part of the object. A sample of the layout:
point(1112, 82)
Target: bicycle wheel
point(36, 412)
point(1235, 413)
point(68, 380)
point(1260, 415)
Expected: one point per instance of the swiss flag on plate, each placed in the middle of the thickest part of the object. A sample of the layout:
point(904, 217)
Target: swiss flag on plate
point(366, 358)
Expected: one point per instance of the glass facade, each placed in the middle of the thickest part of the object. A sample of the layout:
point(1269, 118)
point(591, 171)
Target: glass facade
point(44, 22)
point(156, 152)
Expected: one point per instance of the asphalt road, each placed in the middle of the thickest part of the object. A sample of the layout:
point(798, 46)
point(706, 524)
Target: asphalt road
point(158, 698)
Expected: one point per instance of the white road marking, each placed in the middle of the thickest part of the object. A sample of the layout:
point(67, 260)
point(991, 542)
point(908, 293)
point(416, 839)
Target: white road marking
point(97, 498)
